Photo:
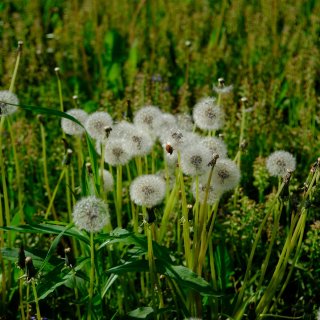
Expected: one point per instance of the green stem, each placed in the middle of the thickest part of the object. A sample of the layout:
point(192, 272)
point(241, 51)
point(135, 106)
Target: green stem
point(265, 263)
point(92, 267)
point(23, 316)
point(119, 196)
point(15, 71)
point(54, 193)
point(254, 247)
point(45, 168)
point(36, 299)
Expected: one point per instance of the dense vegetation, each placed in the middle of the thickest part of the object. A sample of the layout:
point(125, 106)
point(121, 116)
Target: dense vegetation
point(119, 56)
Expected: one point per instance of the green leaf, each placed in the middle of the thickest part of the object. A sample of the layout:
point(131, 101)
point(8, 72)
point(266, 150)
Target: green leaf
point(133, 266)
point(141, 313)
point(54, 245)
point(48, 229)
point(108, 284)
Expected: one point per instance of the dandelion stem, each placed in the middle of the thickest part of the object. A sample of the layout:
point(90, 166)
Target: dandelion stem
point(45, 168)
point(55, 193)
point(92, 267)
point(119, 196)
point(36, 299)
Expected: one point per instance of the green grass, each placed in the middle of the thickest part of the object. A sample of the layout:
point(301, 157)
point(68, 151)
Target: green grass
point(110, 56)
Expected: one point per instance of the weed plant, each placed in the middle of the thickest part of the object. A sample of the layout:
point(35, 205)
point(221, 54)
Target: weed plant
point(136, 183)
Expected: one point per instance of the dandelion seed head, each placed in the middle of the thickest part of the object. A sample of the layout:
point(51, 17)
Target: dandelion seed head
point(96, 124)
point(148, 118)
point(226, 174)
point(213, 193)
point(184, 121)
point(139, 141)
point(174, 136)
point(223, 89)
point(72, 128)
point(147, 190)
point(166, 122)
point(116, 152)
point(216, 146)
point(195, 159)
point(207, 115)
point(91, 214)
point(280, 162)
point(5, 98)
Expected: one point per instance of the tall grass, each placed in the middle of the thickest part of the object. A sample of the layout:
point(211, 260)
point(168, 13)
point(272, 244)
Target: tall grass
point(253, 254)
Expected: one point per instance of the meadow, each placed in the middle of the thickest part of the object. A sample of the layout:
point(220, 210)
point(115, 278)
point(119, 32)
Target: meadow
point(159, 159)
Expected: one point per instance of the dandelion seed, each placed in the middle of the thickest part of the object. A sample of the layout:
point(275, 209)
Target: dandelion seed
point(116, 152)
point(6, 99)
point(184, 121)
point(195, 159)
point(216, 146)
point(96, 124)
point(139, 141)
point(108, 181)
point(222, 89)
point(226, 175)
point(207, 115)
point(147, 190)
point(148, 118)
point(174, 136)
point(280, 162)
point(213, 193)
point(166, 122)
point(91, 214)
point(72, 128)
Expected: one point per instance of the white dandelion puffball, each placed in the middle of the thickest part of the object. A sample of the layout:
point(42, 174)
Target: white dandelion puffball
point(5, 98)
point(226, 175)
point(213, 193)
point(121, 129)
point(167, 122)
point(72, 128)
point(223, 89)
point(184, 121)
point(116, 152)
point(108, 181)
point(139, 141)
point(147, 190)
point(216, 146)
point(91, 214)
point(97, 123)
point(195, 159)
point(207, 115)
point(148, 118)
point(280, 162)
point(174, 136)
